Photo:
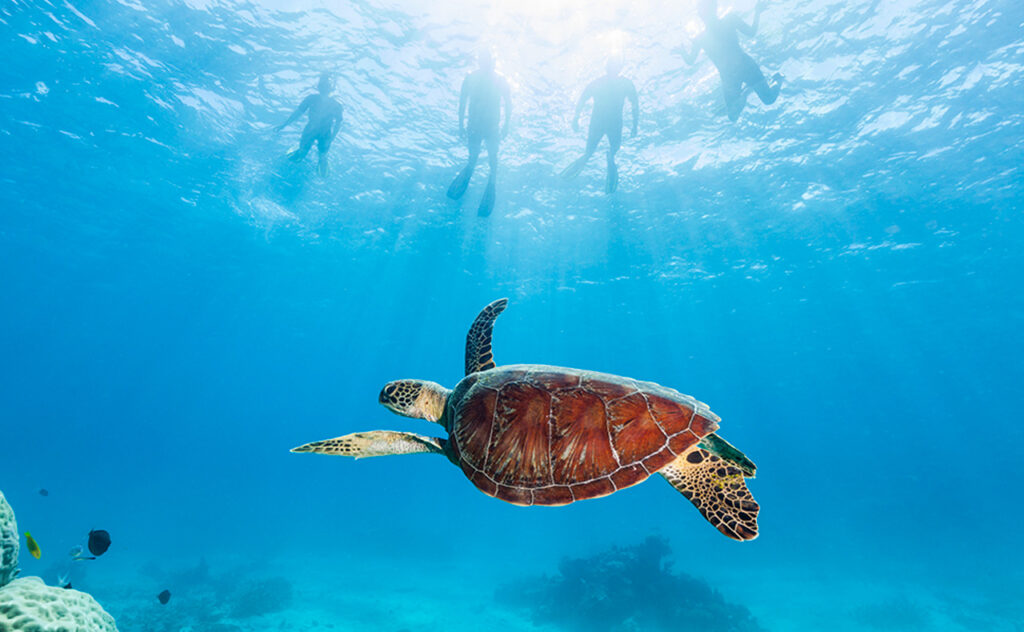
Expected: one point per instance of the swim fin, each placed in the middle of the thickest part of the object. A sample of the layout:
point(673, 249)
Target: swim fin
point(612, 182)
point(460, 184)
point(487, 203)
point(575, 168)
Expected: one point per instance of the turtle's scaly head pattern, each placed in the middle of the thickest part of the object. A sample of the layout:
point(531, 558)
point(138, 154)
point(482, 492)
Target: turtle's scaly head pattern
point(415, 398)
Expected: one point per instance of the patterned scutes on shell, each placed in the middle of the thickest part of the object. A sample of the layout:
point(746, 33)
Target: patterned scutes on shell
point(540, 435)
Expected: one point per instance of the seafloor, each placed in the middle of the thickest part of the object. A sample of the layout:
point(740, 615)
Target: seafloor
point(389, 594)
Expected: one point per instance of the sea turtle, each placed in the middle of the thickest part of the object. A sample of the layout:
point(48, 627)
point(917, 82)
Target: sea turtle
point(531, 434)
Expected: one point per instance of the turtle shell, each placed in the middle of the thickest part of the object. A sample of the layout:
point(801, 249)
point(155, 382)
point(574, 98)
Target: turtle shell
point(543, 435)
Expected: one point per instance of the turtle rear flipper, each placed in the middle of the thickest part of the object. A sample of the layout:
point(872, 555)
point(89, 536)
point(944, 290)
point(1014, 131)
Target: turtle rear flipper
point(478, 340)
point(720, 447)
point(375, 443)
point(717, 489)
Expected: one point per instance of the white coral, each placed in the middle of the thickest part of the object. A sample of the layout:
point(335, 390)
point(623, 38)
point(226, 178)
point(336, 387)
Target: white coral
point(29, 605)
point(9, 543)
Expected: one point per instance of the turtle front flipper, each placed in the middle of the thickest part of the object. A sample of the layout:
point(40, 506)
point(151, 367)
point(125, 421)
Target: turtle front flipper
point(375, 443)
point(718, 489)
point(478, 340)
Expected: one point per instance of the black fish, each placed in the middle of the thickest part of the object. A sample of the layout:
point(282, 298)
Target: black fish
point(43, 492)
point(99, 541)
point(164, 597)
point(66, 586)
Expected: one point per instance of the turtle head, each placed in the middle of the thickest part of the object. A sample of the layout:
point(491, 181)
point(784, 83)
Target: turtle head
point(415, 398)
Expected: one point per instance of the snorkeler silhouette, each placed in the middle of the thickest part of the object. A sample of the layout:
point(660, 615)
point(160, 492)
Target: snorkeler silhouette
point(609, 93)
point(325, 116)
point(735, 67)
point(482, 93)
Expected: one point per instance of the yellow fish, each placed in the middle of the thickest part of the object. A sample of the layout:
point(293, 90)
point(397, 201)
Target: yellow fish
point(33, 547)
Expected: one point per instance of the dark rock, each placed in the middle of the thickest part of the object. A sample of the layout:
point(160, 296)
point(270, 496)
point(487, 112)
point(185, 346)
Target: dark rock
point(626, 588)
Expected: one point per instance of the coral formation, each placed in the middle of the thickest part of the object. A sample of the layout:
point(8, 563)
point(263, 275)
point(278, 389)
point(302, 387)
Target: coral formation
point(897, 613)
point(626, 589)
point(29, 605)
point(9, 543)
point(205, 600)
point(259, 597)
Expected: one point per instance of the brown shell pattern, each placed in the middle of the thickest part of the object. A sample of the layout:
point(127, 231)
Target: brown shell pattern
point(540, 435)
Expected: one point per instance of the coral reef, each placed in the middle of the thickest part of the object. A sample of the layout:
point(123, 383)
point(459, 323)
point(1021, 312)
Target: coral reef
point(626, 589)
point(9, 543)
point(204, 600)
point(897, 613)
point(29, 605)
point(259, 597)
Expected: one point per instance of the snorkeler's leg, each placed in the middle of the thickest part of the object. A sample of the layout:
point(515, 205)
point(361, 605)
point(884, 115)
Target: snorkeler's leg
point(375, 443)
point(487, 202)
point(753, 80)
point(461, 181)
point(768, 92)
point(735, 98)
point(593, 138)
point(323, 143)
point(305, 144)
point(611, 182)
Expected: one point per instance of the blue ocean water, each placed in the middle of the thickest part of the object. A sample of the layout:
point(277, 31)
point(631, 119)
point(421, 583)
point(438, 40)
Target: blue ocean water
point(838, 275)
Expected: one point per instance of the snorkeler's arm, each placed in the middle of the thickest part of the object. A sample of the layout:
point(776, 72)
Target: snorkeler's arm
point(748, 29)
point(588, 92)
point(339, 115)
point(463, 102)
point(506, 95)
point(297, 113)
point(690, 56)
point(635, 103)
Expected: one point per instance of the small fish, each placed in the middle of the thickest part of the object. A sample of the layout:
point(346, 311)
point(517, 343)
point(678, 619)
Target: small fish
point(78, 554)
point(99, 542)
point(67, 586)
point(33, 548)
point(164, 597)
point(43, 492)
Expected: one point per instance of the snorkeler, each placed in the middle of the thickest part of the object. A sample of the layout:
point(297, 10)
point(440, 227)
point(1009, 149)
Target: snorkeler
point(482, 93)
point(736, 68)
point(325, 115)
point(609, 93)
